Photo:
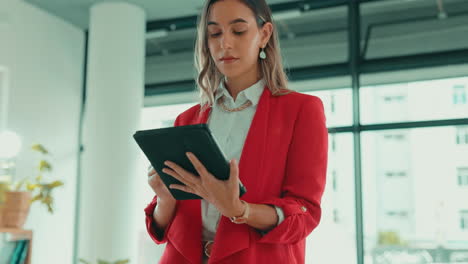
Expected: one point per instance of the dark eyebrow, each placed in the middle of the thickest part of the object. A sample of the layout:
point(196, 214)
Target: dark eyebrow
point(232, 22)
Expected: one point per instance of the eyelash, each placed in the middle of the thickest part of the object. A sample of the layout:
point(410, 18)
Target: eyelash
point(217, 34)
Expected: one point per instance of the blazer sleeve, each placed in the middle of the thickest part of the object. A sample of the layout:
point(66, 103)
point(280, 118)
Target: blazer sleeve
point(156, 235)
point(305, 177)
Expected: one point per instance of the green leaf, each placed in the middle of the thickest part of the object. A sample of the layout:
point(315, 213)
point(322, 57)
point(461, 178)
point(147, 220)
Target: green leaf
point(32, 186)
point(44, 165)
point(54, 184)
point(40, 148)
point(37, 197)
point(124, 261)
point(83, 261)
point(103, 262)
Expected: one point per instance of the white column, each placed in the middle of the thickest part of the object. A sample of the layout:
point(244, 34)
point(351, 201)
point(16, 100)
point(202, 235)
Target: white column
point(114, 98)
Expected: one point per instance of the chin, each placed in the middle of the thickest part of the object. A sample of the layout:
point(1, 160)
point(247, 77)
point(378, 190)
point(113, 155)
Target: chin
point(231, 73)
point(234, 71)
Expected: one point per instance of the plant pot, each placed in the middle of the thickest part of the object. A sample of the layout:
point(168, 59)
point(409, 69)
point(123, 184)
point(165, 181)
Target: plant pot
point(15, 210)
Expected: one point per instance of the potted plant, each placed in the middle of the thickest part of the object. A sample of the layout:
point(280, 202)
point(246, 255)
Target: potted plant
point(21, 194)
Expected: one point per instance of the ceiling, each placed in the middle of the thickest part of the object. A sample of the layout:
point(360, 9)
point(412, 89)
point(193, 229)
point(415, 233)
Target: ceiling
point(77, 11)
point(294, 28)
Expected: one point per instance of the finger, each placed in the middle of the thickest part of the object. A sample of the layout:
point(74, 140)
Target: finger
point(234, 171)
point(187, 176)
point(151, 173)
point(182, 188)
point(175, 175)
point(199, 167)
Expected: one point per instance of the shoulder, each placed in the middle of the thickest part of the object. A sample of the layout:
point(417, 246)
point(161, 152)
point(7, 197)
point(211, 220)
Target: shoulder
point(306, 111)
point(187, 116)
point(299, 101)
point(192, 111)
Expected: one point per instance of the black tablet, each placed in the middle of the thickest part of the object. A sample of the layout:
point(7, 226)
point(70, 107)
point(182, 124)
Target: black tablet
point(172, 143)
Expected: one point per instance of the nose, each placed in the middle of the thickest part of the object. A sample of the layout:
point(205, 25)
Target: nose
point(226, 41)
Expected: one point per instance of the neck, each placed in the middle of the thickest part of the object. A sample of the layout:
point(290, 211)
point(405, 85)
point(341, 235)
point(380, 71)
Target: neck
point(235, 85)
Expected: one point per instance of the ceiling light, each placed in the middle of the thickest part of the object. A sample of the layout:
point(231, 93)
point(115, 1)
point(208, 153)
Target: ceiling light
point(161, 33)
point(287, 14)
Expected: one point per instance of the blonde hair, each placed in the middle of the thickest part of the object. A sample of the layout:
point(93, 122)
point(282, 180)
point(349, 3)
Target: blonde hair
point(209, 77)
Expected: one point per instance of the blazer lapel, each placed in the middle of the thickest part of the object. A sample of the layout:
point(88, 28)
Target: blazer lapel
point(231, 238)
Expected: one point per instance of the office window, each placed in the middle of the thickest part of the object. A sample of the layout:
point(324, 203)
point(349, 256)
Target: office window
point(399, 28)
point(336, 217)
point(464, 219)
point(462, 136)
point(407, 199)
point(324, 43)
point(401, 214)
point(462, 176)
point(333, 142)
point(459, 94)
point(162, 116)
point(395, 174)
point(334, 181)
point(394, 98)
point(332, 103)
point(337, 225)
point(413, 101)
point(395, 137)
point(338, 106)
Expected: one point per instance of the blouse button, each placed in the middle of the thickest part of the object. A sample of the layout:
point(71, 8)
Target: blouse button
point(304, 209)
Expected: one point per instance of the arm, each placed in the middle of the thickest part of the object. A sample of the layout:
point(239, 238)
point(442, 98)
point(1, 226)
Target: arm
point(262, 216)
point(159, 215)
point(304, 181)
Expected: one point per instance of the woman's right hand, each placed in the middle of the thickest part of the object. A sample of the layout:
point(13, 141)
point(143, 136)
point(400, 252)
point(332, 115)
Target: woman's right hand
point(158, 186)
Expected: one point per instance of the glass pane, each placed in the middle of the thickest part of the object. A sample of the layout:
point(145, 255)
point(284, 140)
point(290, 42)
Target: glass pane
point(313, 37)
point(338, 106)
point(337, 226)
point(415, 101)
point(400, 27)
point(162, 116)
point(414, 206)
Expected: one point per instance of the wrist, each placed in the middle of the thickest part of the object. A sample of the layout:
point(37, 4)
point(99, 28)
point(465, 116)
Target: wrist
point(238, 209)
point(165, 202)
point(243, 217)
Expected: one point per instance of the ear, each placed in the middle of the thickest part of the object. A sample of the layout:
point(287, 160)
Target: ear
point(266, 32)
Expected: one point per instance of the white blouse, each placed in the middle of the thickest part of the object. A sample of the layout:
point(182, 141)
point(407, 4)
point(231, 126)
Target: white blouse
point(230, 130)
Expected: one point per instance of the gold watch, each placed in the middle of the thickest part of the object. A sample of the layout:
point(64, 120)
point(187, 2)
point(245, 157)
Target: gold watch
point(243, 218)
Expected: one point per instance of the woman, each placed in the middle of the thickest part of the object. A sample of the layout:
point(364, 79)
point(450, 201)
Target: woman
point(279, 136)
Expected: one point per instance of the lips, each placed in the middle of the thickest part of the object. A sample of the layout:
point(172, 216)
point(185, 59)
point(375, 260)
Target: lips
point(228, 58)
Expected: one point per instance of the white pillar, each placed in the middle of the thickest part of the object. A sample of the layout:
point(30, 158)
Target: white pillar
point(114, 98)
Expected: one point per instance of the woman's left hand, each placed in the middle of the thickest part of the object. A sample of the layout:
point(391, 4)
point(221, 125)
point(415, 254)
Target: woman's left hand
point(224, 195)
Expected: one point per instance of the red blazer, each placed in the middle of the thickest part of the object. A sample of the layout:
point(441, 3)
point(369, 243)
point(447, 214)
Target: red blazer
point(283, 163)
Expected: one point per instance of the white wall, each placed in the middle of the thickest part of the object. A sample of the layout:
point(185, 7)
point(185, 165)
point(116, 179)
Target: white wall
point(45, 57)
